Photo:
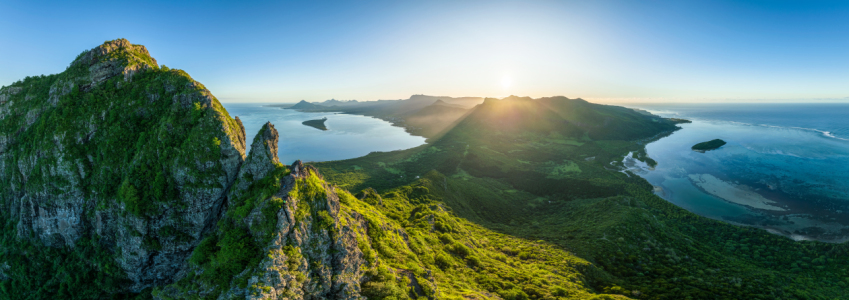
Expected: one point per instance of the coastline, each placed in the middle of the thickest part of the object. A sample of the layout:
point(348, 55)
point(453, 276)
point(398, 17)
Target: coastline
point(795, 164)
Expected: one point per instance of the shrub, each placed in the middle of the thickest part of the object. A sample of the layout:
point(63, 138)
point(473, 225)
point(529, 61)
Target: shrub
point(461, 250)
point(513, 294)
point(442, 261)
point(474, 262)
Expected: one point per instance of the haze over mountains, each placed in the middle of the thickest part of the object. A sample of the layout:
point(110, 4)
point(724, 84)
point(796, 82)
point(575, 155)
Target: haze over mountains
point(127, 179)
point(421, 115)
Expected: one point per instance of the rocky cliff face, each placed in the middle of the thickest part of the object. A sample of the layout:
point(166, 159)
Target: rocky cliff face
point(313, 254)
point(140, 166)
point(291, 219)
point(146, 162)
point(115, 148)
point(120, 175)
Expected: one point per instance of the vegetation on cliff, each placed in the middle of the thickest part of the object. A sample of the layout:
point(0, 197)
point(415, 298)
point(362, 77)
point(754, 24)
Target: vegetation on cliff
point(139, 182)
point(116, 156)
point(516, 169)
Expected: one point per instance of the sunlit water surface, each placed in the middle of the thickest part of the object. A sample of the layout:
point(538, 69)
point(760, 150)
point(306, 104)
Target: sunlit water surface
point(348, 136)
point(785, 167)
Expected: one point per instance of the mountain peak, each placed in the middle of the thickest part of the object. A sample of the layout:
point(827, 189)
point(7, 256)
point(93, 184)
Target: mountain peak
point(119, 50)
point(305, 105)
point(517, 98)
point(115, 57)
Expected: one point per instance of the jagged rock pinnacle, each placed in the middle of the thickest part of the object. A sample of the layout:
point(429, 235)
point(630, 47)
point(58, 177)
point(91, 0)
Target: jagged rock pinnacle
point(261, 159)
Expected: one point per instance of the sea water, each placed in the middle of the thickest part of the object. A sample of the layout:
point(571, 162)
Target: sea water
point(785, 167)
point(348, 136)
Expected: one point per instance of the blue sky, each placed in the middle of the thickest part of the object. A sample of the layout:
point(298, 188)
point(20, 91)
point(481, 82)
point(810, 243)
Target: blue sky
point(256, 51)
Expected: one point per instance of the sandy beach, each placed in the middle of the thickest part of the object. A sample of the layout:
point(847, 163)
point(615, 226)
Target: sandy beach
point(733, 193)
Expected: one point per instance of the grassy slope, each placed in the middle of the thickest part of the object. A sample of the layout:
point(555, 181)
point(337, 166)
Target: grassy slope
point(410, 234)
point(515, 169)
point(519, 200)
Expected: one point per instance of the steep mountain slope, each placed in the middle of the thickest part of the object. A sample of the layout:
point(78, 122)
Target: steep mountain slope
point(290, 234)
point(118, 153)
point(513, 167)
point(279, 236)
point(607, 122)
point(127, 179)
point(431, 120)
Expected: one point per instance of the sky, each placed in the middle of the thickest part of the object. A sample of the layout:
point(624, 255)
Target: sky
point(604, 51)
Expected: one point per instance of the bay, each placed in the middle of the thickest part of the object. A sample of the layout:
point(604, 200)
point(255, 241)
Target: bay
point(348, 136)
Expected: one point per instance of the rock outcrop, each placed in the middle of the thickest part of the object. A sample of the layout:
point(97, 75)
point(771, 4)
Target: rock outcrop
point(146, 178)
point(309, 253)
point(116, 57)
point(261, 160)
point(145, 166)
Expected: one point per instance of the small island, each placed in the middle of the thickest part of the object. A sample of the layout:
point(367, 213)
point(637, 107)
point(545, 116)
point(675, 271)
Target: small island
point(709, 145)
point(317, 124)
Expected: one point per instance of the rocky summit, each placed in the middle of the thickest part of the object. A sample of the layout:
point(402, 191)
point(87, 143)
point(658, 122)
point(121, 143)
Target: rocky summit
point(117, 149)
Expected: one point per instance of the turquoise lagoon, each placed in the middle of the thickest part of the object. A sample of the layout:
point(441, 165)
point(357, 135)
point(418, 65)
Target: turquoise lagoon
point(785, 167)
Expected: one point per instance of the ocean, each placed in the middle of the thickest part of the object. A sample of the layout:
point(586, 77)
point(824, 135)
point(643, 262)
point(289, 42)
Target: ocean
point(828, 119)
point(785, 167)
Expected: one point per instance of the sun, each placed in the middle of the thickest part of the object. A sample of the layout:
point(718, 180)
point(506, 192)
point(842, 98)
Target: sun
point(506, 81)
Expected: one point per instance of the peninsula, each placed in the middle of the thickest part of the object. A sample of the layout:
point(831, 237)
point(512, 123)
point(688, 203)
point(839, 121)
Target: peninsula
point(317, 123)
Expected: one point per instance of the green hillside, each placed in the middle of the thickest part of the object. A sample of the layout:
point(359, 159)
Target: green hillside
point(545, 181)
point(607, 122)
point(126, 179)
point(112, 170)
point(431, 120)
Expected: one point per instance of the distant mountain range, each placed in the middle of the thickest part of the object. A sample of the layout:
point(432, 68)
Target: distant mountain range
point(420, 114)
point(304, 105)
point(123, 179)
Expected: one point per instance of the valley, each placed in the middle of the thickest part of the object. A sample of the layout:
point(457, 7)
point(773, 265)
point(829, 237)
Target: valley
point(127, 179)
